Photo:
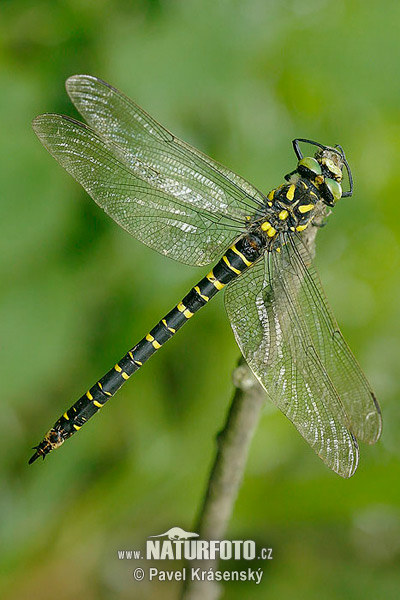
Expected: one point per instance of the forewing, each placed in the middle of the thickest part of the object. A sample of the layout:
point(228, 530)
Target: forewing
point(277, 346)
point(178, 211)
point(117, 118)
point(354, 391)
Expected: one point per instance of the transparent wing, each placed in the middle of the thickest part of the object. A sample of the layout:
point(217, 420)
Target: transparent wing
point(160, 211)
point(166, 194)
point(302, 281)
point(272, 332)
point(117, 118)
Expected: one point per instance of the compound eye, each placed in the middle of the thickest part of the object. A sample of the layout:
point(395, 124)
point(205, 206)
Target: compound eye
point(309, 165)
point(334, 188)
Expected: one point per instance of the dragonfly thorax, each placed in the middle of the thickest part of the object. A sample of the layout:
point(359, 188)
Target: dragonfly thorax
point(290, 207)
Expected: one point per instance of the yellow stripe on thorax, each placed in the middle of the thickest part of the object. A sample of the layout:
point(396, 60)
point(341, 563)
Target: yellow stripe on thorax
point(267, 227)
point(306, 208)
point(290, 192)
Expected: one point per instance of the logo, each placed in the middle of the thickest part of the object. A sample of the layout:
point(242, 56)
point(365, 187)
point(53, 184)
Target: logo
point(178, 544)
point(176, 533)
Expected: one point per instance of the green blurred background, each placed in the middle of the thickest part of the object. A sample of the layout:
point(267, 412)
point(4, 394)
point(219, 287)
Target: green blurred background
point(239, 80)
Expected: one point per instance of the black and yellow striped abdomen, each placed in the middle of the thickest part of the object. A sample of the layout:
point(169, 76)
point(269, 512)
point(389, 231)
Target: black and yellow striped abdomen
point(237, 259)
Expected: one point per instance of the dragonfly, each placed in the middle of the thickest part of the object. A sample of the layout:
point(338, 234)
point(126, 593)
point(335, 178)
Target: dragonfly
point(189, 207)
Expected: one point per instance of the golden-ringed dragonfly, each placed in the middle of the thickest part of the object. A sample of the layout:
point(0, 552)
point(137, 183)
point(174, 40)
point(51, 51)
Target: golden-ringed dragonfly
point(190, 208)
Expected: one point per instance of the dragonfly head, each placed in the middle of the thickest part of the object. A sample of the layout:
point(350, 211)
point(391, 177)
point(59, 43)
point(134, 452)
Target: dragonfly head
point(325, 170)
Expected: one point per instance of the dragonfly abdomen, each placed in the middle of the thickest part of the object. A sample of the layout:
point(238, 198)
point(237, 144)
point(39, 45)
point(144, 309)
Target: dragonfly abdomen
point(237, 259)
